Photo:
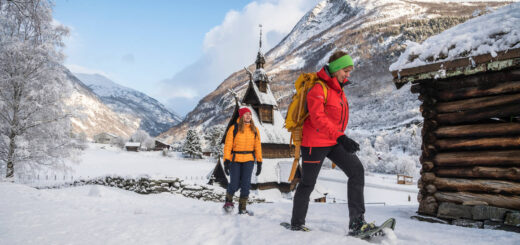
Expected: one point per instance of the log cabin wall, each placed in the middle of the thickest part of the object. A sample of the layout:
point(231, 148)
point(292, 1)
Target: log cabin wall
point(471, 140)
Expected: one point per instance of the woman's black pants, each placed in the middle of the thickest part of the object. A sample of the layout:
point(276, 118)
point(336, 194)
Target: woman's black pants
point(312, 160)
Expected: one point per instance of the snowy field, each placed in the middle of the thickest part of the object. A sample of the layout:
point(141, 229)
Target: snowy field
point(103, 215)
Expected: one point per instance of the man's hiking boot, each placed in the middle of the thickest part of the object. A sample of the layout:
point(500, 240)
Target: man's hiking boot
point(358, 226)
point(300, 228)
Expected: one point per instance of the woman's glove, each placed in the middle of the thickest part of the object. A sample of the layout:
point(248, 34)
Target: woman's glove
point(258, 168)
point(226, 166)
point(350, 145)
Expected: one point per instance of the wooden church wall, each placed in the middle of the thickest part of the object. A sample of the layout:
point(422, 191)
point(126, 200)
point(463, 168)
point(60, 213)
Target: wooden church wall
point(277, 151)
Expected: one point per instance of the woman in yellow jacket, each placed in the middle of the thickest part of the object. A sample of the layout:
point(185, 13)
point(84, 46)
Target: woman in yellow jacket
point(242, 148)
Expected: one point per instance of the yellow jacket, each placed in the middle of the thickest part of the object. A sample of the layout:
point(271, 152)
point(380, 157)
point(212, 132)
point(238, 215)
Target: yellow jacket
point(245, 141)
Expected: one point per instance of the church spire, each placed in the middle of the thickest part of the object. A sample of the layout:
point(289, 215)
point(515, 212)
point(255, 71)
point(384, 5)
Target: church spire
point(260, 49)
point(260, 60)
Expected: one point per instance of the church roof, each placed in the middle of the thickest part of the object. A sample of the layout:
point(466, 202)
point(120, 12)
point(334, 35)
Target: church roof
point(266, 98)
point(271, 133)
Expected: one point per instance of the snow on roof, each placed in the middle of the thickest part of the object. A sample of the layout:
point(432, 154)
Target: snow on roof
point(266, 98)
point(160, 141)
point(487, 34)
point(133, 144)
point(273, 133)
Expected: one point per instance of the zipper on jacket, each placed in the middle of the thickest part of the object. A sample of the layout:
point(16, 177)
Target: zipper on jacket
point(343, 109)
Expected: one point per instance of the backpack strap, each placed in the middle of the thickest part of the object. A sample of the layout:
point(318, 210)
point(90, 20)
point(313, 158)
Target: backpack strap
point(325, 89)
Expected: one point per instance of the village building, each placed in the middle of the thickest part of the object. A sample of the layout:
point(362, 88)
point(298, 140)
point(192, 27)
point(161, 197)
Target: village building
point(106, 138)
point(159, 145)
point(277, 153)
point(132, 146)
point(469, 83)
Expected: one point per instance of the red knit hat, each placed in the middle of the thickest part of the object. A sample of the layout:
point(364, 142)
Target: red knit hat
point(243, 110)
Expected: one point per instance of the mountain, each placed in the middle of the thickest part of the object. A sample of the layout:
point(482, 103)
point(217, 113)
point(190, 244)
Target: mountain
point(385, 121)
point(154, 117)
point(92, 116)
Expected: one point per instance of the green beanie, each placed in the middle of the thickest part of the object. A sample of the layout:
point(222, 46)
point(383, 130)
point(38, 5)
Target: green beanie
point(344, 61)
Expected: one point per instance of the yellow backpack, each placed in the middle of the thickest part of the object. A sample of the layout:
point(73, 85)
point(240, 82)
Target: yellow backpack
point(297, 112)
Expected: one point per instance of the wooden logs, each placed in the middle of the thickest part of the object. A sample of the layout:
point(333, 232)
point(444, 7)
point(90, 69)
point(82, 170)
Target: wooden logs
point(428, 138)
point(481, 172)
point(487, 158)
point(512, 202)
point(472, 92)
point(470, 140)
point(483, 80)
point(428, 177)
point(431, 189)
point(417, 88)
point(476, 185)
point(476, 103)
point(427, 166)
point(428, 205)
point(478, 130)
point(476, 115)
point(479, 143)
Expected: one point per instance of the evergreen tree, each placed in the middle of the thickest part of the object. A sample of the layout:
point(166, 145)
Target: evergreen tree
point(192, 146)
point(214, 138)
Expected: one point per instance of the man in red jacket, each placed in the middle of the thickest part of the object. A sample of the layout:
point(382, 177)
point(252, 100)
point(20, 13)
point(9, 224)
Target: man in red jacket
point(323, 136)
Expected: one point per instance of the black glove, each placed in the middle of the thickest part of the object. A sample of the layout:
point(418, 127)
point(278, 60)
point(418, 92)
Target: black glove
point(258, 168)
point(226, 166)
point(350, 145)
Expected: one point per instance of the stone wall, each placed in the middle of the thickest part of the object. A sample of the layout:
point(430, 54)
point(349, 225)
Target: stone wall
point(480, 216)
point(146, 185)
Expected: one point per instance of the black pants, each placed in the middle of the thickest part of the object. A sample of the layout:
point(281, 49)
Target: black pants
point(312, 160)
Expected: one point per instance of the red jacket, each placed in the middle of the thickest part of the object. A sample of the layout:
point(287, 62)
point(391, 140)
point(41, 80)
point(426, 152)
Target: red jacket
point(325, 122)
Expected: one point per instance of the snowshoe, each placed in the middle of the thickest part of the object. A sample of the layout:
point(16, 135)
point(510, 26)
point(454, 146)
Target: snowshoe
point(369, 230)
point(295, 227)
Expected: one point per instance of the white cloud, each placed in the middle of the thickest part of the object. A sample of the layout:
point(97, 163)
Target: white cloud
point(233, 44)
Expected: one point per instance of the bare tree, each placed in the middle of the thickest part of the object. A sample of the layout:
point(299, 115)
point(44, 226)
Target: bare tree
point(34, 125)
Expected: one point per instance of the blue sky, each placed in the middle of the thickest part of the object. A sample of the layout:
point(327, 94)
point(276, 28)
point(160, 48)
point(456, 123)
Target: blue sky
point(174, 51)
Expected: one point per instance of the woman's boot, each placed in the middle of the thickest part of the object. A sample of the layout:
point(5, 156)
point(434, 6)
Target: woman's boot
point(228, 205)
point(242, 203)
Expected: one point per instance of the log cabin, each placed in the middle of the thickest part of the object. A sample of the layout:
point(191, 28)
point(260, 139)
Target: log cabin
point(471, 131)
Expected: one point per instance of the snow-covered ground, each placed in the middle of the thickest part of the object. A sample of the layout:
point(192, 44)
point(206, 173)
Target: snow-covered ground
point(101, 160)
point(103, 215)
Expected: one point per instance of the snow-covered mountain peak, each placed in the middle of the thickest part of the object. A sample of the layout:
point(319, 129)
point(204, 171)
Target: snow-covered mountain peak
point(320, 18)
point(100, 84)
point(155, 117)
